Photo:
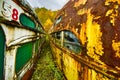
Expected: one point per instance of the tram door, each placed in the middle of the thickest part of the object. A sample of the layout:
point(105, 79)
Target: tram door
point(2, 48)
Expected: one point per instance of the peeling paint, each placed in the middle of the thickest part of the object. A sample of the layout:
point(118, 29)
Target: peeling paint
point(79, 2)
point(95, 48)
point(107, 2)
point(116, 47)
point(82, 11)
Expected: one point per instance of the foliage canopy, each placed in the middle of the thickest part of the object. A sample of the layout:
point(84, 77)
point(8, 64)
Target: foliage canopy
point(46, 17)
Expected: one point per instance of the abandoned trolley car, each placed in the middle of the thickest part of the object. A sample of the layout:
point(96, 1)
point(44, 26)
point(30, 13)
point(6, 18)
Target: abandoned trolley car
point(21, 38)
point(85, 40)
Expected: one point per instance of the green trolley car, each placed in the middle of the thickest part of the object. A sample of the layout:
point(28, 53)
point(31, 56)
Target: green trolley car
point(21, 38)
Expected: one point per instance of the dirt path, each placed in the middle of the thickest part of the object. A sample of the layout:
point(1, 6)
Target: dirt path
point(46, 69)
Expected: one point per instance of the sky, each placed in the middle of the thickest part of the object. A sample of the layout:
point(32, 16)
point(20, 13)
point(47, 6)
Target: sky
point(49, 4)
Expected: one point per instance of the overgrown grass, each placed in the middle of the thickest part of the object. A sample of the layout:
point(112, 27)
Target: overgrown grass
point(46, 69)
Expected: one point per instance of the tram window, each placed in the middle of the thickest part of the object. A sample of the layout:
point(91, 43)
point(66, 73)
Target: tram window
point(58, 38)
point(2, 49)
point(58, 35)
point(26, 21)
point(70, 37)
point(71, 42)
point(40, 28)
point(58, 20)
point(24, 54)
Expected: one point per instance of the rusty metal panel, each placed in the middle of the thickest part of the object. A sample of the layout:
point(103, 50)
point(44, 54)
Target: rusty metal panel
point(57, 54)
point(70, 67)
point(96, 24)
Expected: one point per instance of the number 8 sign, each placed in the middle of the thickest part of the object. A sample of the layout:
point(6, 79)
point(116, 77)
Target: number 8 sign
point(14, 14)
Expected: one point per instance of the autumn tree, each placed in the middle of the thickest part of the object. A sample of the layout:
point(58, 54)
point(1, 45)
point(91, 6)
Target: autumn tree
point(46, 17)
